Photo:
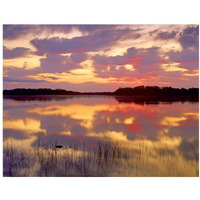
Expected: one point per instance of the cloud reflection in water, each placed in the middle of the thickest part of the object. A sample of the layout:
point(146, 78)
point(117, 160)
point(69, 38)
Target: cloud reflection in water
point(159, 140)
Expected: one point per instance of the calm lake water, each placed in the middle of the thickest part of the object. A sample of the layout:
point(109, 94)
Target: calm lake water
point(101, 136)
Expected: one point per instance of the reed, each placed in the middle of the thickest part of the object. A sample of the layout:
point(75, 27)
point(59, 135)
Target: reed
point(93, 158)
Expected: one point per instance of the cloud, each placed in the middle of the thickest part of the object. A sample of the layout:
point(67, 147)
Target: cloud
point(51, 77)
point(189, 40)
point(133, 56)
point(112, 71)
point(57, 64)
point(102, 60)
point(28, 80)
point(187, 56)
point(91, 43)
point(139, 60)
point(166, 35)
point(56, 59)
point(57, 45)
point(190, 37)
point(14, 31)
point(115, 55)
point(78, 57)
point(11, 32)
point(93, 29)
point(14, 72)
point(15, 53)
point(149, 56)
point(50, 64)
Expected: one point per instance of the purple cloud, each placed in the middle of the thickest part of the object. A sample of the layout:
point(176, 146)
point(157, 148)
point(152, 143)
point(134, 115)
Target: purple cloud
point(149, 56)
point(146, 64)
point(15, 72)
point(90, 43)
point(14, 31)
point(27, 80)
point(95, 28)
point(132, 56)
point(96, 38)
point(49, 66)
point(190, 37)
point(166, 35)
point(15, 53)
point(102, 60)
point(114, 71)
point(78, 57)
point(189, 40)
point(56, 59)
point(57, 45)
point(187, 56)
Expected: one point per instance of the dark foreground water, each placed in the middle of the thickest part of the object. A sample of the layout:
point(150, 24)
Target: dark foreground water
point(101, 136)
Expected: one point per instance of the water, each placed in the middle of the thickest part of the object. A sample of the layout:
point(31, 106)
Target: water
point(101, 136)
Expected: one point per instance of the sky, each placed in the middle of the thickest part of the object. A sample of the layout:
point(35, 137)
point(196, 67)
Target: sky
point(100, 57)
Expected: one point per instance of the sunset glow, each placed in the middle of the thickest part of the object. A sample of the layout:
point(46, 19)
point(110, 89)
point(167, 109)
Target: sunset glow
point(100, 57)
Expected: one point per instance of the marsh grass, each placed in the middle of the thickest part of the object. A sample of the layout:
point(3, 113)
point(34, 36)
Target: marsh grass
point(94, 158)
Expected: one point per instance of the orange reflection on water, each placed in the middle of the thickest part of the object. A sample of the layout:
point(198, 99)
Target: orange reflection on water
point(158, 140)
point(109, 135)
point(172, 121)
point(194, 115)
point(27, 125)
point(76, 111)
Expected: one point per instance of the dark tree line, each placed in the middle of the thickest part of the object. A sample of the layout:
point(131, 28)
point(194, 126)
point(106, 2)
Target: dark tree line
point(156, 91)
point(128, 91)
point(41, 91)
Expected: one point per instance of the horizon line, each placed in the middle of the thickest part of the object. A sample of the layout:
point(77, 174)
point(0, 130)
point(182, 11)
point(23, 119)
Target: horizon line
point(106, 91)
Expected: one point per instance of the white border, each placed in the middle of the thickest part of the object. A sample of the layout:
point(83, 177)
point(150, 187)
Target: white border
point(98, 12)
